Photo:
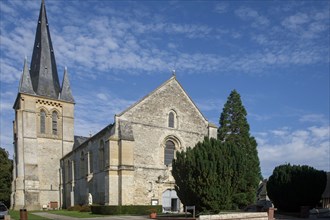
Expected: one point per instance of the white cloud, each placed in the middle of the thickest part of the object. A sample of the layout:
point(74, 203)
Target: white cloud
point(301, 147)
point(102, 96)
point(280, 132)
point(314, 118)
point(96, 110)
point(308, 25)
point(116, 43)
point(9, 73)
point(320, 132)
point(115, 40)
point(321, 15)
point(221, 7)
point(246, 13)
point(260, 117)
point(295, 21)
point(172, 45)
point(7, 99)
point(210, 105)
point(6, 8)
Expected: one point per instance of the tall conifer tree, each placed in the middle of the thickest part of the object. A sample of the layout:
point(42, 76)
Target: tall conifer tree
point(6, 167)
point(234, 129)
point(207, 175)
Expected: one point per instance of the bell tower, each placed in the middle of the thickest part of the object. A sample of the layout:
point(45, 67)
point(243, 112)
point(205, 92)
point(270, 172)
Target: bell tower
point(43, 126)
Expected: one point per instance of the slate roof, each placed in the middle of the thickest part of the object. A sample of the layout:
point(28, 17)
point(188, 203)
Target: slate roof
point(43, 68)
point(25, 85)
point(78, 140)
point(42, 77)
point(66, 93)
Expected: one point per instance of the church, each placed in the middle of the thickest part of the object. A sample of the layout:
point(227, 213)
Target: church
point(126, 163)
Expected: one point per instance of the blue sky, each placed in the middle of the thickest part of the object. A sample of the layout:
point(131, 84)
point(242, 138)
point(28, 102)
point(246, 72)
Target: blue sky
point(274, 53)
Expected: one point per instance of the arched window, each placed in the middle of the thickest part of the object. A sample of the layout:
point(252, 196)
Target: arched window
point(42, 122)
point(54, 122)
point(90, 162)
point(169, 152)
point(69, 172)
point(101, 155)
point(82, 164)
point(171, 120)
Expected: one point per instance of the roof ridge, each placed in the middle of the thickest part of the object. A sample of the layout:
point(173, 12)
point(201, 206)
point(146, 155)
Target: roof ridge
point(172, 78)
point(146, 96)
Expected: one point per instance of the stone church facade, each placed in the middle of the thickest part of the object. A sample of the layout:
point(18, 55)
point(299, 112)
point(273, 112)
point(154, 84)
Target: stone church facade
point(129, 161)
point(126, 163)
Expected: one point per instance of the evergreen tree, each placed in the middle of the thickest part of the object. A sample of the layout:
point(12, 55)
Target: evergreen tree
point(5, 176)
point(293, 186)
point(207, 175)
point(233, 124)
point(235, 129)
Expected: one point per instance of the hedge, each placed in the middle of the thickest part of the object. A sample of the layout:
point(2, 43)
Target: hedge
point(79, 208)
point(293, 186)
point(127, 209)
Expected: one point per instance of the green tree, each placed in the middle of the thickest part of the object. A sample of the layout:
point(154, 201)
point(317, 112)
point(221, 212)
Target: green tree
point(207, 175)
point(235, 129)
point(292, 186)
point(5, 176)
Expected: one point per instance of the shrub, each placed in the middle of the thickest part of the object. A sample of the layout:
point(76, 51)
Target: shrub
point(75, 208)
point(129, 209)
point(209, 176)
point(85, 208)
point(290, 187)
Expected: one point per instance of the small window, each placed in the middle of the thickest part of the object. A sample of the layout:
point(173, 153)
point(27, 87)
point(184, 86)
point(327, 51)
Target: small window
point(54, 122)
point(169, 152)
point(42, 122)
point(171, 120)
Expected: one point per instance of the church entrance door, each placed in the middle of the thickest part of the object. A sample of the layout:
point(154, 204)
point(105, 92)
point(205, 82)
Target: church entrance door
point(170, 201)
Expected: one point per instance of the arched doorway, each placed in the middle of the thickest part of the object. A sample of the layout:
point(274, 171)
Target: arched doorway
point(170, 201)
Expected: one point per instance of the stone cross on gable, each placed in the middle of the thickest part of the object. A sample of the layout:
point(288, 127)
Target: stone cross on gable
point(173, 72)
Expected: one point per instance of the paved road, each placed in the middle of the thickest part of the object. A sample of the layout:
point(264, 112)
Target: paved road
point(61, 217)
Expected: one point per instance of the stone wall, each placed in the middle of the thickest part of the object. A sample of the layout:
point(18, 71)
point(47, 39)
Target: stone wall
point(134, 172)
point(37, 155)
point(242, 216)
point(83, 172)
point(150, 127)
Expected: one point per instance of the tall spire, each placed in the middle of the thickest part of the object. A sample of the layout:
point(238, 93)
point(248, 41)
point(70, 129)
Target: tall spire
point(25, 85)
point(43, 69)
point(66, 94)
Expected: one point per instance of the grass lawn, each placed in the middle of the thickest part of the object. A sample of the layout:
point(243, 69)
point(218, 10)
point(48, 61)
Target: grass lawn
point(16, 214)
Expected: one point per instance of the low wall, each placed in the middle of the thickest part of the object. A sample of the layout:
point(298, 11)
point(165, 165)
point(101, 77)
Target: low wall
point(236, 216)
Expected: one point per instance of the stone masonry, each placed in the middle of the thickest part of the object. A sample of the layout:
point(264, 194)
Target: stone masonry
point(132, 171)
